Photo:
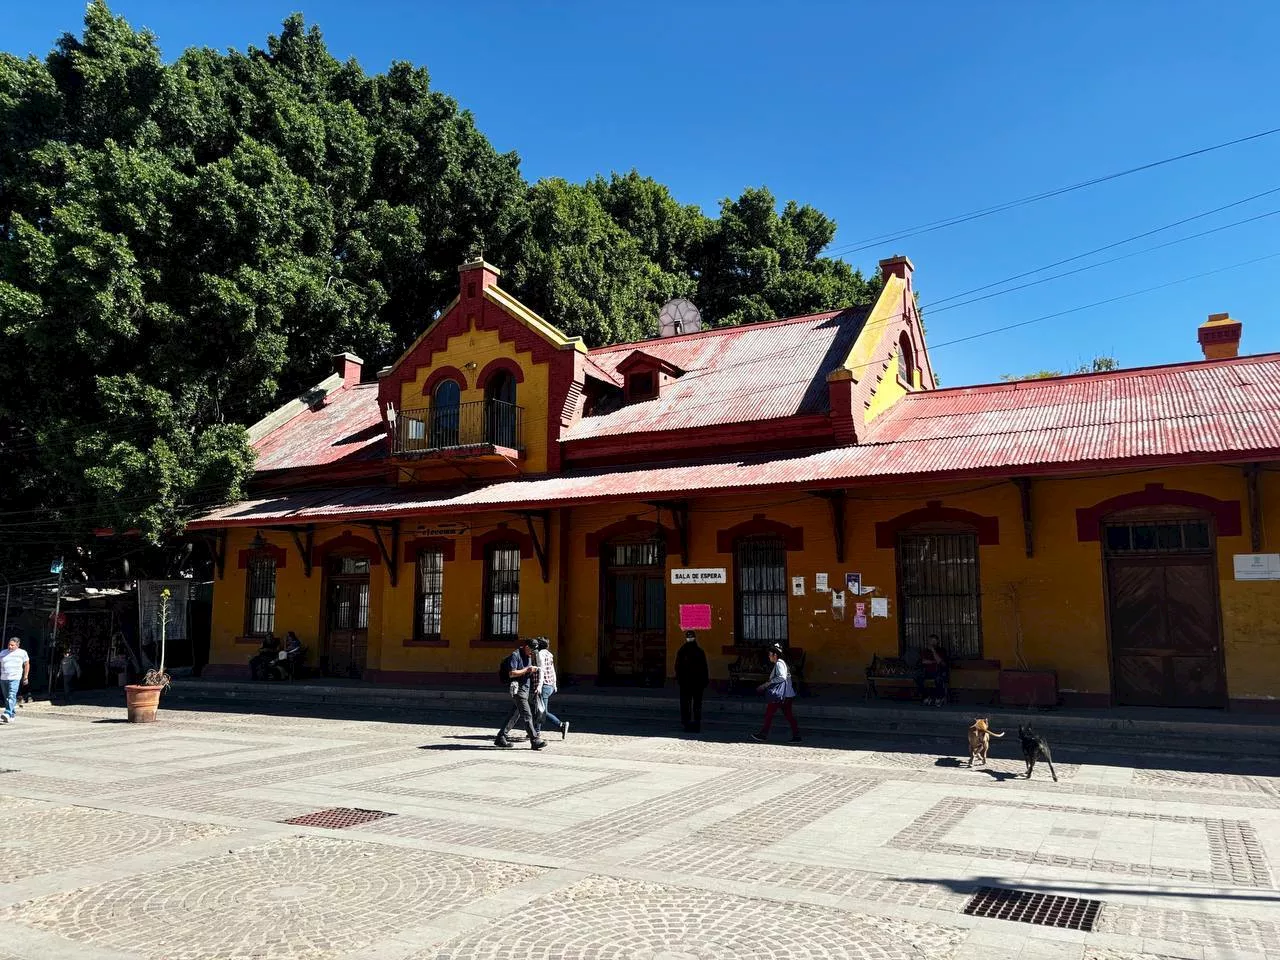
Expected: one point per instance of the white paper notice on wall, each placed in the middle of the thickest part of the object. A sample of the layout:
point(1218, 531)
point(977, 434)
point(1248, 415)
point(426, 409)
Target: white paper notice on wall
point(837, 604)
point(797, 586)
point(879, 606)
point(820, 583)
point(1257, 566)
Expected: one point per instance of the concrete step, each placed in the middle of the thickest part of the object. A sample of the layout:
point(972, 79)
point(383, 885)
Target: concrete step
point(1215, 733)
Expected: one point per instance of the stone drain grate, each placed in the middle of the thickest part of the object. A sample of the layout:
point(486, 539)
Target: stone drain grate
point(338, 818)
point(1044, 909)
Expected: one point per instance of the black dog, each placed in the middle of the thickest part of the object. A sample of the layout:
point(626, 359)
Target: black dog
point(1035, 747)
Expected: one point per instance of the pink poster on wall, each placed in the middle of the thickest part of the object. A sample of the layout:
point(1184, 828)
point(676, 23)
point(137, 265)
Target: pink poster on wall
point(695, 616)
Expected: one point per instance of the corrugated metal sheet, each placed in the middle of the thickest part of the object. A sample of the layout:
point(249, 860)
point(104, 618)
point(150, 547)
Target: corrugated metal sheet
point(1227, 409)
point(347, 427)
point(741, 374)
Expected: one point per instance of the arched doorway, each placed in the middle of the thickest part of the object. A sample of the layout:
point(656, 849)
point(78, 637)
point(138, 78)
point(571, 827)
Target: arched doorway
point(346, 639)
point(633, 613)
point(500, 409)
point(1162, 608)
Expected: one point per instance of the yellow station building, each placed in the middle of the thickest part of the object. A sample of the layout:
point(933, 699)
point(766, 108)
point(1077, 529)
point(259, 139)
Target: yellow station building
point(1097, 539)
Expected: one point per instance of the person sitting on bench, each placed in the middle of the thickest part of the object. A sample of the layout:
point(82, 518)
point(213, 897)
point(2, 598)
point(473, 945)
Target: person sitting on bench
point(267, 653)
point(933, 664)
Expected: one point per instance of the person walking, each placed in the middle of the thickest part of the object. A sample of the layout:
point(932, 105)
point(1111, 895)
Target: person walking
point(15, 670)
point(70, 670)
point(693, 677)
point(779, 691)
point(521, 672)
point(546, 687)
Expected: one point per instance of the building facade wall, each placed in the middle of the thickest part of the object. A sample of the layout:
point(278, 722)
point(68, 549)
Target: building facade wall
point(1047, 611)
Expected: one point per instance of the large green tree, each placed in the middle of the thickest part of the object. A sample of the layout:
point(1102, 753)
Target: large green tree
point(183, 244)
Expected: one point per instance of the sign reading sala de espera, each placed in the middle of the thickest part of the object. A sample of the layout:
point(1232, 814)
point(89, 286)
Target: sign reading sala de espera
point(699, 575)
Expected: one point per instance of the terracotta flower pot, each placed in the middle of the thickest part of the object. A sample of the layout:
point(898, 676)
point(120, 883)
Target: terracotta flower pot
point(142, 702)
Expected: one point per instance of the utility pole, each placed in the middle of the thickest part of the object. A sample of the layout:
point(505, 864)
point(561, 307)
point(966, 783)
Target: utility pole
point(4, 633)
point(57, 609)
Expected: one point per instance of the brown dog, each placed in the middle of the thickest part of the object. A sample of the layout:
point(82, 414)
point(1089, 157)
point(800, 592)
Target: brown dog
point(980, 740)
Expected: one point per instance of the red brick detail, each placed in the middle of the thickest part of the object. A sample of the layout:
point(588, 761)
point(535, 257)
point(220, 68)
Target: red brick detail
point(632, 526)
point(280, 554)
point(445, 545)
point(441, 374)
point(493, 366)
point(987, 528)
point(1225, 513)
point(759, 526)
point(347, 542)
point(840, 398)
point(501, 534)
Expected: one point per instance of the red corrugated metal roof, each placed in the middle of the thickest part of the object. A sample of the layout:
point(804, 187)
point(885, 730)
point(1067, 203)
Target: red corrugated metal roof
point(345, 428)
point(1220, 410)
point(759, 371)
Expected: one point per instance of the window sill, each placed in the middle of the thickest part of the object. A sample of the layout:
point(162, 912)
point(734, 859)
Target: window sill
point(410, 642)
point(497, 644)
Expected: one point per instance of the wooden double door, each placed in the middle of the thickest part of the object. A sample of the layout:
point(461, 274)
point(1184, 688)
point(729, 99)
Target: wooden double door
point(633, 614)
point(346, 617)
point(1162, 591)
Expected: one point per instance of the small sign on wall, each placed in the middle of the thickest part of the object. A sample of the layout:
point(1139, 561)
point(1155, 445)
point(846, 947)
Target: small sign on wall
point(820, 583)
point(688, 575)
point(695, 616)
point(1257, 566)
point(797, 586)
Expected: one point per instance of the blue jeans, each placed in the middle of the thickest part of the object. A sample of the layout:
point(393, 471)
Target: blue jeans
point(11, 696)
point(544, 698)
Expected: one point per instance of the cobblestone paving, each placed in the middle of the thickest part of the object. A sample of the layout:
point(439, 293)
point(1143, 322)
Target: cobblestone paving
point(614, 846)
point(604, 918)
point(300, 897)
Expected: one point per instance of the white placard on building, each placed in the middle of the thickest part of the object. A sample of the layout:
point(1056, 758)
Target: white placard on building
point(820, 583)
point(1257, 566)
point(688, 575)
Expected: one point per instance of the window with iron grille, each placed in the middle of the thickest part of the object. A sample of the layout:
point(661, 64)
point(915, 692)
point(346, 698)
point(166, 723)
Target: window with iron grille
point(1157, 536)
point(939, 593)
point(760, 588)
point(430, 596)
point(501, 591)
point(260, 596)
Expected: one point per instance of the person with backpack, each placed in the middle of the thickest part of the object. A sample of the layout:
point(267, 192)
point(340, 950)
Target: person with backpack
point(518, 672)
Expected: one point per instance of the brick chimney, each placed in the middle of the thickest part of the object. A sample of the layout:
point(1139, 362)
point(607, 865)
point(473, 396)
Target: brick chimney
point(348, 365)
point(474, 276)
point(1219, 337)
point(898, 266)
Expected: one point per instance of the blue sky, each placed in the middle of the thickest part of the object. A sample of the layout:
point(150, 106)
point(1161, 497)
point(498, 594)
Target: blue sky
point(884, 116)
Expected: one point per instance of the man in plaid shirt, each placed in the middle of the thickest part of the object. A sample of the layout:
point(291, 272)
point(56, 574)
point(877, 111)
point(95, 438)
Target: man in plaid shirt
point(547, 680)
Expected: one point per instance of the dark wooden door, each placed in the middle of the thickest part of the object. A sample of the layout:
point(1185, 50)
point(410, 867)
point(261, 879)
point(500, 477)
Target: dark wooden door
point(1165, 643)
point(633, 614)
point(346, 617)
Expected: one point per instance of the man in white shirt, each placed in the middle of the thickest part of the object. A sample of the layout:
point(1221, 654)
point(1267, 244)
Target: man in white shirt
point(15, 668)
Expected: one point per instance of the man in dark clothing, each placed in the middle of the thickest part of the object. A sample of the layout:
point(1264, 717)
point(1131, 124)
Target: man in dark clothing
point(693, 677)
point(521, 673)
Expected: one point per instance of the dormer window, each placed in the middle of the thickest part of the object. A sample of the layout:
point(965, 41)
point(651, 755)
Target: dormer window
point(642, 385)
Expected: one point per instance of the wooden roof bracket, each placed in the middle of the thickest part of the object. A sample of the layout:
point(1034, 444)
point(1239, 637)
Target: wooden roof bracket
point(836, 500)
point(388, 557)
point(541, 544)
point(1255, 507)
point(304, 551)
point(679, 510)
point(1024, 496)
point(216, 541)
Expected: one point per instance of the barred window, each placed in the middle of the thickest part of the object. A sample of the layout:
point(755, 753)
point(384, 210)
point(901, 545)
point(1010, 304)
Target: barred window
point(939, 595)
point(430, 595)
point(761, 588)
point(260, 596)
point(501, 591)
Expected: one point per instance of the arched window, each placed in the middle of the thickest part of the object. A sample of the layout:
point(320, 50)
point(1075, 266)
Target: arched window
point(500, 409)
point(906, 361)
point(445, 407)
point(502, 591)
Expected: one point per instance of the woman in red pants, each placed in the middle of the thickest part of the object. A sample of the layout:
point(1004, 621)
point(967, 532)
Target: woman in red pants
point(779, 691)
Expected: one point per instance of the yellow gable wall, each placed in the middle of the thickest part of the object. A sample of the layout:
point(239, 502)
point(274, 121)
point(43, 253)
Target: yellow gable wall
point(480, 347)
point(1055, 600)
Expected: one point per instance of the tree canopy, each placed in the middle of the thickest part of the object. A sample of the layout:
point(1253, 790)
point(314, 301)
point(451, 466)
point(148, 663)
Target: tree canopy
point(184, 244)
point(1099, 364)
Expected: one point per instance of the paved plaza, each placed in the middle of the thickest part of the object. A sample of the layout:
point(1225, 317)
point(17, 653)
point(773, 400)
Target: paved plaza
point(234, 835)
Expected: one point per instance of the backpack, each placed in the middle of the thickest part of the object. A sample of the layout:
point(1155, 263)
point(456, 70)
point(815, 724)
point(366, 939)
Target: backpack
point(504, 670)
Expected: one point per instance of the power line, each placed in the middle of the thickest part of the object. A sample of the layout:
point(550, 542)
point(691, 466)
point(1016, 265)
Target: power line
point(859, 245)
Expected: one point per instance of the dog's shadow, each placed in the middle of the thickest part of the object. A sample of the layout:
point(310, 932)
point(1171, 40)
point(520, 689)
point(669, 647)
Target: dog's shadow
point(1000, 775)
point(955, 763)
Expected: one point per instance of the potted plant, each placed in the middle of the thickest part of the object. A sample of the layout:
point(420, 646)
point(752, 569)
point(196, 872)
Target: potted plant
point(143, 699)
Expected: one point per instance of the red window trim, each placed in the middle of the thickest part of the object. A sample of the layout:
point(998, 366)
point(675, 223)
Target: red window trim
point(987, 528)
point(498, 535)
point(631, 526)
point(760, 526)
point(494, 366)
point(441, 374)
point(346, 542)
point(279, 554)
point(1225, 513)
point(445, 545)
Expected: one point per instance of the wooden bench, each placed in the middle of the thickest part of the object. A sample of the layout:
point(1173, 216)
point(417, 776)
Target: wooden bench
point(753, 668)
point(971, 681)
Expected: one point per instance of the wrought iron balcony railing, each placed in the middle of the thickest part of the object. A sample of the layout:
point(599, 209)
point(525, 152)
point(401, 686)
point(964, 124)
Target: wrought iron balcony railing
point(480, 423)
